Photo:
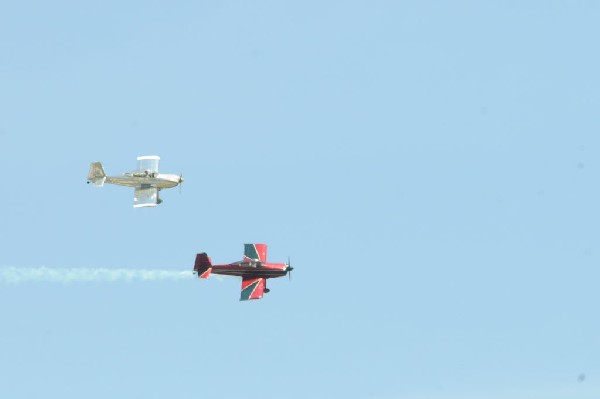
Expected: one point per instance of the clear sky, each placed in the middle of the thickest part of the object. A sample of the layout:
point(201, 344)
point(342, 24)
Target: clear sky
point(431, 168)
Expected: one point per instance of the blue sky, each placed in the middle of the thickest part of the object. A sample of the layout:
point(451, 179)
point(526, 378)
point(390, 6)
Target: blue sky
point(430, 168)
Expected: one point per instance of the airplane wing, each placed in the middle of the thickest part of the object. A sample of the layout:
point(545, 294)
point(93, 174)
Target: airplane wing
point(145, 196)
point(253, 288)
point(255, 252)
point(148, 164)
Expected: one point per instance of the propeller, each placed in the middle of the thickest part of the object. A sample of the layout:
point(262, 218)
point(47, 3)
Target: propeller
point(180, 182)
point(289, 269)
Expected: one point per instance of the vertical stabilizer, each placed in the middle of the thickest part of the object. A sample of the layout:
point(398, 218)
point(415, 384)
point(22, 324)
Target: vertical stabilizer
point(203, 266)
point(96, 174)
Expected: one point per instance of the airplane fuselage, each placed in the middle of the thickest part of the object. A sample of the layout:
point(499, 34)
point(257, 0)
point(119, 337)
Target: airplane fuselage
point(265, 270)
point(139, 179)
point(253, 269)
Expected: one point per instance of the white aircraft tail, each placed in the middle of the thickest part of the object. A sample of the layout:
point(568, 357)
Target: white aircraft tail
point(96, 174)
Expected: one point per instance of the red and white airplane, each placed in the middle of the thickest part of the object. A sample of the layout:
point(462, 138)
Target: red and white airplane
point(253, 269)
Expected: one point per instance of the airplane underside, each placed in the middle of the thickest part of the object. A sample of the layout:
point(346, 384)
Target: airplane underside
point(137, 182)
point(248, 271)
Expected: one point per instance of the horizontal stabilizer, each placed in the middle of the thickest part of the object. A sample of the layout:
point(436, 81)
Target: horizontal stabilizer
point(206, 274)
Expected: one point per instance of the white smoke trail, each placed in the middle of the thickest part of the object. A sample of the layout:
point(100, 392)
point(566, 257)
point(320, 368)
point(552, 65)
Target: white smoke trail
point(17, 275)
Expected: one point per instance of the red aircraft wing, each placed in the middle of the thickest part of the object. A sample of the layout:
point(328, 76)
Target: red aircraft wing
point(255, 252)
point(252, 288)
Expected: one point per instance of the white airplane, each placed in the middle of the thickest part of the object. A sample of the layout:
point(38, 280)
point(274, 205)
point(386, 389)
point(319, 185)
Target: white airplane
point(146, 180)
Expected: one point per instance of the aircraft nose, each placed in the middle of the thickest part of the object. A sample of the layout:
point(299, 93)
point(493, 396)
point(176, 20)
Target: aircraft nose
point(180, 182)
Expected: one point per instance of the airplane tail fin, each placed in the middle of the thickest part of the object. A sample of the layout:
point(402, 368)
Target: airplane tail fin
point(203, 265)
point(96, 174)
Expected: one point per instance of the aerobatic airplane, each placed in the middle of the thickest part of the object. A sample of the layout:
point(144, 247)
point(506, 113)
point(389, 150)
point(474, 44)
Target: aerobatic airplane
point(146, 180)
point(253, 269)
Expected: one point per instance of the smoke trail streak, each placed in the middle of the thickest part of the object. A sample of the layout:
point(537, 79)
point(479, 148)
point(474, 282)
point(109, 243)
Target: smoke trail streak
point(17, 275)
